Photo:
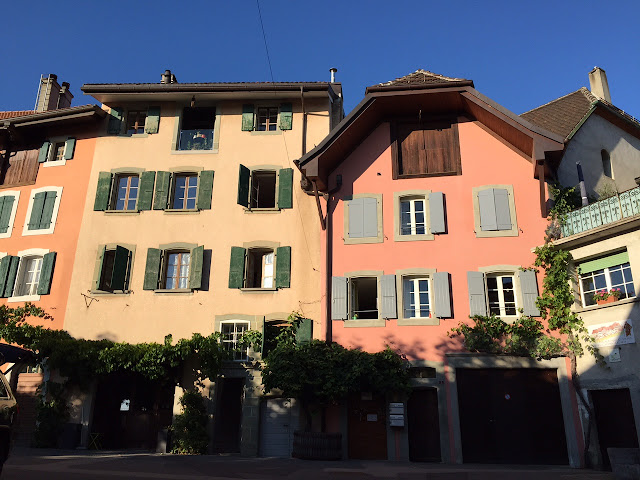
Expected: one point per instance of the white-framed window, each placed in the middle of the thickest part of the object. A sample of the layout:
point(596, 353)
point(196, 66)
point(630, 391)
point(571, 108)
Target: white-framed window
point(8, 207)
point(416, 299)
point(501, 294)
point(56, 151)
point(232, 331)
point(413, 216)
point(42, 211)
point(606, 274)
point(363, 298)
point(29, 275)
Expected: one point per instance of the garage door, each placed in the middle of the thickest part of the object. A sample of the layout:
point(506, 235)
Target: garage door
point(278, 420)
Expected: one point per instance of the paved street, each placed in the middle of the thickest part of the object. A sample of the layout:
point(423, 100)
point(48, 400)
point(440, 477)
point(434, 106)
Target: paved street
point(31, 464)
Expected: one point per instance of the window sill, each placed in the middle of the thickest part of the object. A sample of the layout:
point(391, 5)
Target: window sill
point(407, 322)
point(254, 290)
point(262, 210)
point(273, 132)
point(624, 301)
point(24, 298)
point(181, 211)
point(43, 231)
point(106, 293)
point(173, 291)
point(133, 135)
point(414, 238)
point(122, 212)
point(424, 175)
point(194, 152)
point(497, 233)
point(364, 240)
point(365, 323)
point(55, 163)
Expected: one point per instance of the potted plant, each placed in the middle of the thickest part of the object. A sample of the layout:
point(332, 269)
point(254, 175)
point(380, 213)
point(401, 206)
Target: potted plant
point(602, 297)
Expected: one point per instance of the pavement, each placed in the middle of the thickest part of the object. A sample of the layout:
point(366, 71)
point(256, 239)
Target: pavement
point(32, 464)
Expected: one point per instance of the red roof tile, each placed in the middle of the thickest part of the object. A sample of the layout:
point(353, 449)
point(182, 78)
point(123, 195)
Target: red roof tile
point(16, 113)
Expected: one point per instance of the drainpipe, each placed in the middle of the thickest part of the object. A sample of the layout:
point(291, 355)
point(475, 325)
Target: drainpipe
point(583, 189)
point(304, 123)
point(328, 259)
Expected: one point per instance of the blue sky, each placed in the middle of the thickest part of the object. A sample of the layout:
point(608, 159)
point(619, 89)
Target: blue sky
point(520, 54)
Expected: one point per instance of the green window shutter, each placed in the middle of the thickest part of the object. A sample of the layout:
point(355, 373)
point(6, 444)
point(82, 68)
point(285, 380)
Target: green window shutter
point(97, 271)
point(283, 267)
point(152, 269)
point(285, 188)
point(152, 121)
point(69, 148)
point(120, 267)
point(243, 186)
point(145, 197)
point(205, 189)
point(286, 116)
point(236, 267)
point(4, 273)
point(36, 210)
point(46, 273)
point(195, 273)
point(247, 117)
point(11, 276)
point(47, 210)
point(163, 182)
point(304, 334)
point(6, 206)
point(103, 192)
point(115, 121)
point(44, 152)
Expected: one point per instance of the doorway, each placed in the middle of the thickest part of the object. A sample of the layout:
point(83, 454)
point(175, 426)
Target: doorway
point(423, 424)
point(228, 418)
point(367, 427)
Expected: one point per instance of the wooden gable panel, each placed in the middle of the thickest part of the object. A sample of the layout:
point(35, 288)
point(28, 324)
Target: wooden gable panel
point(22, 168)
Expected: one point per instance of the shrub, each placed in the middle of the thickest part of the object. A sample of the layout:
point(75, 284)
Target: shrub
point(189, 429)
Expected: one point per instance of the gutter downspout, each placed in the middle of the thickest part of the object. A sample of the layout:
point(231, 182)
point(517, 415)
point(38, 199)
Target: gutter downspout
point(304, 124)
point(328, 221)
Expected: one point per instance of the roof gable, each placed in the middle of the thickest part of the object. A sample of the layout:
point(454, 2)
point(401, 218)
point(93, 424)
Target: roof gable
point(419, 79)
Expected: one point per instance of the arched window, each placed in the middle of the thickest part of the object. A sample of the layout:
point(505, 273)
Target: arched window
point(606, 163)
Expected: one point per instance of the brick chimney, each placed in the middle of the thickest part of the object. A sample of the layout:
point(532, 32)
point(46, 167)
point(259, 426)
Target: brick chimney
point(598, 84)
point(52, 95)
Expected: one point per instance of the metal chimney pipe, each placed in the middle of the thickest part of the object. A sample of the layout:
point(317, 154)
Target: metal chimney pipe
point(333, 74)
point(583, 188)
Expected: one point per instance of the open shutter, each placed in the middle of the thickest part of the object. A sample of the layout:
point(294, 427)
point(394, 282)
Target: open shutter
point(5, 262)
point(477, 297)
point(370, 217)
point(436, 212)
point(163, 182)
point(97, 270)
point(152, 269)
point(6, 206)
point(243, 186)
point(236, 267)
point(145, 197)
point(247, 117)
point(120, 266)
point(36, 210)
point(47, 209)
point(195, 275)
point(115, 121)
point(487, 206)
point(285, 188)
point(406, 299)
point(283, 267)
point(286, 116)
point(356, 217)
point(103, 191)
point(152, 121)
point(69, 148)
point(205, 189)
point(46, 273)
point(44, 152)
point(338, 298)
point(529, 289)
point(503, 213)
point(442, 297)
point(304, 333)
point(388, 305)
point(11, 276)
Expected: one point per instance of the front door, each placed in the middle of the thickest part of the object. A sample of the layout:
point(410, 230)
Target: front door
point(228, 418)
point(423, 424)
point(367, 427)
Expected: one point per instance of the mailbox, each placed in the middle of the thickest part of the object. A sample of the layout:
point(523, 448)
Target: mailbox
point(396, 414)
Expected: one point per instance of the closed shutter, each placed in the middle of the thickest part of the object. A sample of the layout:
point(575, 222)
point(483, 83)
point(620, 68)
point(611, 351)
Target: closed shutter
point(285, 188)
point(152, 122)
point(69, 148)
point(529, 289)
point(286, 116)
point(97, 270)
point(442, 295)
point(477, 296)
point(115, 121)
point(247, 117)
point(145, 197)
point(11, 276)
point(304, 333)
point(47, 209)
point(389, 305)
point(487, 206)
point(195, 275)
point(356, 217)
point(36, 210)
point(152, 269)
point(46, 273)
point(338, 298)
point(236, 267)
point(120, 267)
point(44, 152)
point(103, 192)
point(163, 183)
point(283, 267)
point(205, 189)
point(436, 212)
point(244, 176)
point(6, 207)
point(5, 262)
point(370, 217)
point(503, 212)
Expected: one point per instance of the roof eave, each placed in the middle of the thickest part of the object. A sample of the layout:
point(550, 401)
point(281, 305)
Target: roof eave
point(419, 86)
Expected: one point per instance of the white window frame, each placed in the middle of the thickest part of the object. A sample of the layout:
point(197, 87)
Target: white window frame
point(607, 277)
point(413, 224)
point(16, 197)
point(51, 153)
point(501, 301)
point(234, 341)
point(416, 295)
point(54, 215)
point(409, 195)
point(26, 254)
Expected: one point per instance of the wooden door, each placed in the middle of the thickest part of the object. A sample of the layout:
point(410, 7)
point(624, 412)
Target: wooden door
point(423, 425)
point(228, 418)
point(367, 427)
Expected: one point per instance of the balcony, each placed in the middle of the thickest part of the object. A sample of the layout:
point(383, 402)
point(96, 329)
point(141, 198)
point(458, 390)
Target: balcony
point(609, 210)
point(201, 139)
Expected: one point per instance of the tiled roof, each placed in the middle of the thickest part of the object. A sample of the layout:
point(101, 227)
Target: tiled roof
point(16, 113)
point(421, 77)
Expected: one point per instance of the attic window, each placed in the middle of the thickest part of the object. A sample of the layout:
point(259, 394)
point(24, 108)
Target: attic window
point(606, 163)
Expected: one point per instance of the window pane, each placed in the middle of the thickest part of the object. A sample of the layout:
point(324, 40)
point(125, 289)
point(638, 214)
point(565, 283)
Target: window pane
point(492, 283)
point(587, 284)
point(507, 282)
point(494, 310)
point(508, 296)
point(600, 281)
point(510, 310)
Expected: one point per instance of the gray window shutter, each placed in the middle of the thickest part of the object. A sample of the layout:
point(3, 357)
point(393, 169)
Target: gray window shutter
point(5, 263)
point(44, 152)
point(247, 117)
point(115, 121)
point(69, 148)
point(47, 209)
point(11, 276)
point(356, 217)
point(97, 271)
point(244, 176)
point(370, 217)
point(120, 266)
point(406, 298)
point(46, 273)
point(286, 116)
point(145, 197)
point(6, 206)
point(338, 298)
point(36, 210)
point(236, 267)
point(441, 295)
point(195, 275)
point(152, 269)
point(285, 188)
point(486, 203)
point(529, 289)
point(163, 182)
point(152, 121)
point(304, 333)
point(389, 304)
point(205, 189)
point(103, 191)
point(503, 213)
point(283, 267)
point(477, 296)
point(436, 212)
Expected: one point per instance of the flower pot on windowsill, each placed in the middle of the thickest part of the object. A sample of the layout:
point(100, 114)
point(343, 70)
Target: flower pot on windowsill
point(609, 299)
